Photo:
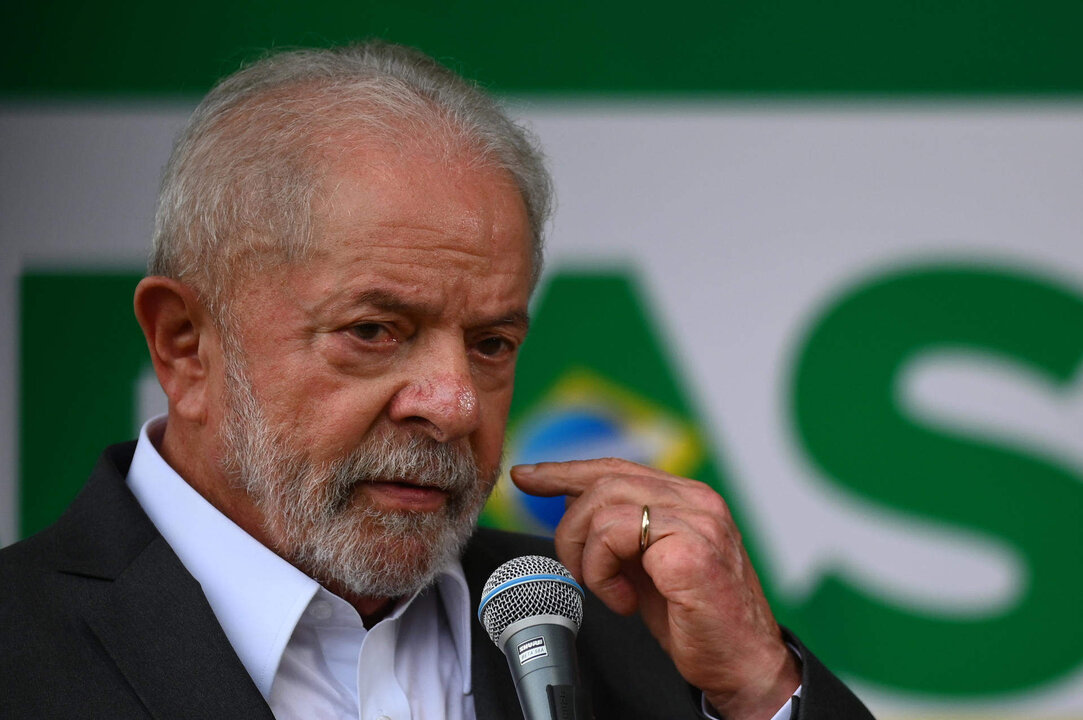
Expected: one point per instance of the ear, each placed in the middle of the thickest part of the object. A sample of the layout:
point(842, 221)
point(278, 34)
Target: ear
point(181, 339)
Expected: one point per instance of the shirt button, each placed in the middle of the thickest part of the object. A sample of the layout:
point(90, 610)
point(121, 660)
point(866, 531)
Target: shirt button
point(321, 610)
point(383, 717)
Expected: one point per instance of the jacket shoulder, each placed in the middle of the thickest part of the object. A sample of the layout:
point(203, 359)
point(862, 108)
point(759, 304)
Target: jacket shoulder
point(47, 583)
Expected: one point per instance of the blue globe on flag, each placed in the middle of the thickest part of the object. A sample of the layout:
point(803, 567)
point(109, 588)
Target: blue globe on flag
point(586, 417)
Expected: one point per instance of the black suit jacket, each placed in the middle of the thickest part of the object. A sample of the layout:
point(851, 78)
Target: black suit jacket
point(99, 619)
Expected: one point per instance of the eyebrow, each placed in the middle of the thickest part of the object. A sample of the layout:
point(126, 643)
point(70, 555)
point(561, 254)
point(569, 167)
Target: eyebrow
point(518, 319)
point(385, 300)
point(393, 302)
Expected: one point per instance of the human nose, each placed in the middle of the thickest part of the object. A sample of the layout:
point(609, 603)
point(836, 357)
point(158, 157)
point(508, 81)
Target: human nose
point(439, 395)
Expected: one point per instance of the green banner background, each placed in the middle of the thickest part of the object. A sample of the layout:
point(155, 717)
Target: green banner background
point(66, 47)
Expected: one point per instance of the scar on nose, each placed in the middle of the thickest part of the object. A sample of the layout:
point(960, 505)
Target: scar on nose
point(468, 401)
point(450, 393)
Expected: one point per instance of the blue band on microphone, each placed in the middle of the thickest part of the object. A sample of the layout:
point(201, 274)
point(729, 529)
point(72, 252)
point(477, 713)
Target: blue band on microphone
point(525, 579)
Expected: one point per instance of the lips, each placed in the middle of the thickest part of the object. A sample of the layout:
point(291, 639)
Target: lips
point(404, 495)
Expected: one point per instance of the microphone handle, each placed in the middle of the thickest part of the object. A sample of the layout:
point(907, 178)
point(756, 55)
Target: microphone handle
point(546, 673)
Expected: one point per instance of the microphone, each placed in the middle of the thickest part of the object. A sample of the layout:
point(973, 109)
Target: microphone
point(532, 608)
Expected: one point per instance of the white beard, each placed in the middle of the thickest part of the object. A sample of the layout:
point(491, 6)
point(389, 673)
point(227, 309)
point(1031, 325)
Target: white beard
point(324, 526)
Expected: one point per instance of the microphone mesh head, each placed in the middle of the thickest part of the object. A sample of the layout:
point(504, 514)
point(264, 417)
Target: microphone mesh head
point(531, 597)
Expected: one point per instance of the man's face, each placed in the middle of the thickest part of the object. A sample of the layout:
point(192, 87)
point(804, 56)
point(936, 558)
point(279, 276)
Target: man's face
point(366, 397)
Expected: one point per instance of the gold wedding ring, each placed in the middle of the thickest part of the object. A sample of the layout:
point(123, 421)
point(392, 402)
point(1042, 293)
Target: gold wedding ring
point(645, 530)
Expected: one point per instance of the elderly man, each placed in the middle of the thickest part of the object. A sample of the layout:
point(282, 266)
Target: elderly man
point(345, 248)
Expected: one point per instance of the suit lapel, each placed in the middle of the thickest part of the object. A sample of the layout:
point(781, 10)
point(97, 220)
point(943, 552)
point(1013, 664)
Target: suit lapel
point(157, 627)
point(152, 618)
point(494, 691)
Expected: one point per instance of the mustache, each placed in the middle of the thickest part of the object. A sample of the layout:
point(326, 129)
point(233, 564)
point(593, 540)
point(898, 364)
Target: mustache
point(414, 459)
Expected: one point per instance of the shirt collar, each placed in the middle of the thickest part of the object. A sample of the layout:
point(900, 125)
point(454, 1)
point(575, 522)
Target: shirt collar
point(257, 597)
point(455, 598)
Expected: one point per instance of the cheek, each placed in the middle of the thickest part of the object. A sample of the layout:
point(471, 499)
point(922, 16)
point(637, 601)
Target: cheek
point(218, 398)
point(489, 438)
point(325, 415)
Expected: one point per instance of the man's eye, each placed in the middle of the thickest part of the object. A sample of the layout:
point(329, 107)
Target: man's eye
point(371, 332)
point(494, 346)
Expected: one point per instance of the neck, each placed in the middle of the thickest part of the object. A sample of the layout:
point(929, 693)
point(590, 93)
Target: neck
point(371, 609)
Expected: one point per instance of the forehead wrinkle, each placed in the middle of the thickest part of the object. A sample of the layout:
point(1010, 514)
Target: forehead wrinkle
point(451, 249)
point(410, 244)
point(468, 233)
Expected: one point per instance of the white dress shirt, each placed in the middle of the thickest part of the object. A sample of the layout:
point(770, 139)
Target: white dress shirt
point(305, 648)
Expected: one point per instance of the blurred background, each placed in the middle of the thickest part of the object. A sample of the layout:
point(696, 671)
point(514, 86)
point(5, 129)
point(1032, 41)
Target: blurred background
point(824, 256)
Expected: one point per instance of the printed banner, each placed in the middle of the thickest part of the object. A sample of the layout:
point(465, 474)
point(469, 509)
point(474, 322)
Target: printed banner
point(861, 324)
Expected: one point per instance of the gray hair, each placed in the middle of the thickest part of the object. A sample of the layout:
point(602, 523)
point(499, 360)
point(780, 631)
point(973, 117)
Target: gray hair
point(245, 171)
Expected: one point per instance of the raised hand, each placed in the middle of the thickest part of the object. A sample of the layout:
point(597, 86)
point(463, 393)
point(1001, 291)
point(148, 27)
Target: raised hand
point(693, 584)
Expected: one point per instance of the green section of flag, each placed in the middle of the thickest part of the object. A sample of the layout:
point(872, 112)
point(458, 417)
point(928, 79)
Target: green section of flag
point(69, 47)
point(81, 351)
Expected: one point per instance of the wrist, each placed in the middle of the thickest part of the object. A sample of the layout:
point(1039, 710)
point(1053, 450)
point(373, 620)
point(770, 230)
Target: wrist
point(764, 693)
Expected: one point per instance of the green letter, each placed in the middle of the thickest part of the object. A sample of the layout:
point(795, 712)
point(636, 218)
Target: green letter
point(851, 425)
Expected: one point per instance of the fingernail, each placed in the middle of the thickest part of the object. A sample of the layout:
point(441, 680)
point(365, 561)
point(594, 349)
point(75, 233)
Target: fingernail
point(523, 469)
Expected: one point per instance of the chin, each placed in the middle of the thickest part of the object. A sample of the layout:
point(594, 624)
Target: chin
point(384, 554)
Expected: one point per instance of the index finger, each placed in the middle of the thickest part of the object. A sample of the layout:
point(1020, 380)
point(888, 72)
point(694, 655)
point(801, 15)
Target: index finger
point(572, 477)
